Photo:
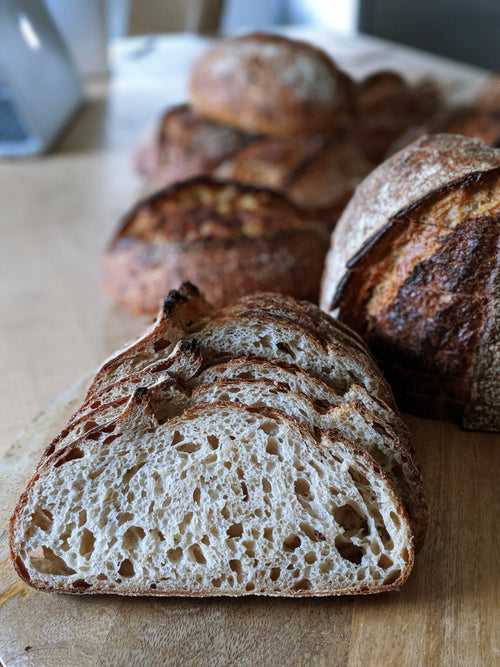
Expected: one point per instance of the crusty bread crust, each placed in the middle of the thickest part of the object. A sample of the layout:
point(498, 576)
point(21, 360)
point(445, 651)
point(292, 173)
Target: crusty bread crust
point(418, 250)
point(269, 84)
point(228, 238)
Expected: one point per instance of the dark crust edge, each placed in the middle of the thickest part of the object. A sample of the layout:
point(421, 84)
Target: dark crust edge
point(379, 234)
point(207, 181)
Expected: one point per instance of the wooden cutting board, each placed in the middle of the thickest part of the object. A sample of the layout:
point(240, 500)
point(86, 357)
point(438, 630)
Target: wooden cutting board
point(448, 613)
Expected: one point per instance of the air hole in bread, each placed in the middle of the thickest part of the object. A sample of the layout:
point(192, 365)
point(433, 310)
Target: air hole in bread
point(266, 486)
point(88, 426)
point(265, 341)
point(392, 577)
point(275, 573)
point(217, 583)
point(212, 458)
point(197, 495)
point(404, 554)
point(176, 438)
point(153, 587)
point(291, 542)
point(71, 454)
point(375, 547)
point(80, 584)
point(272, 446)
point(326, 566)
point(127, 476)
point(271, 428)
point(286, 349)
point(235, 565)
point(42, 518)
point(236, 530)
point(350, 519)
point(205, 540)
point(82, 517)
point(123, 517)
point(348, 550)
point(185, 522)
point(395, 520)
point(126, 568)
point(157, 535)
point(160, 344)
point(312, 533)
point(195, 553)
point(302, 488)
point(250, 586)
point(87, 541)
point(385, 562)
point(44, 560)
point(102, 577)
point(189, 447)
point(213, 441)
point(244, 490)
point(174, 555)
point(302, 585)
point(132, 536)
point(228, 465)
point(310, 557)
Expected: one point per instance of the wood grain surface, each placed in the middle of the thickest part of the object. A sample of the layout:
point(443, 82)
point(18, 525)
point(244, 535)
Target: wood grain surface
point(56, 215)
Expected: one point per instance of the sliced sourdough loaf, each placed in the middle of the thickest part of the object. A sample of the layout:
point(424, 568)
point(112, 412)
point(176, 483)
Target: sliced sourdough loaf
point(308, 464)
point(221, 501)
point(349, 417)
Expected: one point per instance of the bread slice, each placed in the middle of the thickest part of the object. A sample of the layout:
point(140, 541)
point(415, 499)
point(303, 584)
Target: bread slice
point(224, 500)
point(349, 416)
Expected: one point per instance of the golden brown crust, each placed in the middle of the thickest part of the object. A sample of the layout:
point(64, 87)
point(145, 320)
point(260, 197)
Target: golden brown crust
point(188, 145)
point(387, 106)
point(269, 84)
point(316, 173)
point(467, 121)
point(424, 287)
point(228, 238)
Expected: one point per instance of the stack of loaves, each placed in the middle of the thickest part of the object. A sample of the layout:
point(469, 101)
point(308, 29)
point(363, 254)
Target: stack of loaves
point(279, 113)
point(266, 113)
point(253, 449)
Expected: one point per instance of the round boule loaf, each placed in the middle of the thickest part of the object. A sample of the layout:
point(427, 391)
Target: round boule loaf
point(269, 84)
point(229, 238)
point(414, 267)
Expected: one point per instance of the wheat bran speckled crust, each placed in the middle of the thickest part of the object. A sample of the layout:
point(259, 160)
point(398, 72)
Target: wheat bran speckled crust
point(141, 399)
point(414, 267)
point(228, 238)
point(269, 84)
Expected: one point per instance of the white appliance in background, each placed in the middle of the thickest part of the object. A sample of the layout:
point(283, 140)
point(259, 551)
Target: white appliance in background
point(39, 86)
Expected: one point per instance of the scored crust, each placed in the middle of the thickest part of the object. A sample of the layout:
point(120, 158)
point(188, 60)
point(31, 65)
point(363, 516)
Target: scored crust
point(418, 250)
point(228, 238)
point(269, 84)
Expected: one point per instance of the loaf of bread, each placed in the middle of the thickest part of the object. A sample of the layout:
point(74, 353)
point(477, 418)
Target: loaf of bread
point(229, 238)
point(471, 122)
point(187, 145)
point(268, 84)
point(387, 106)
point(414, 268)
point(318, 174)
point(251, 450)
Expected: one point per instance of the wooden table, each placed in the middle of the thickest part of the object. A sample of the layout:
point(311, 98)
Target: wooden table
point(57, 213)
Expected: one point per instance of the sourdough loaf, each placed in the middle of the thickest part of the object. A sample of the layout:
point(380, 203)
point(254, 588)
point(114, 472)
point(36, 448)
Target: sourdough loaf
point(229, 238)
point(268, 84)
point(186, 145)
point(473, 122)
point(191, 469)
point(387, 106)
point(316, 173)
point(269, 338)
point(414, 268)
